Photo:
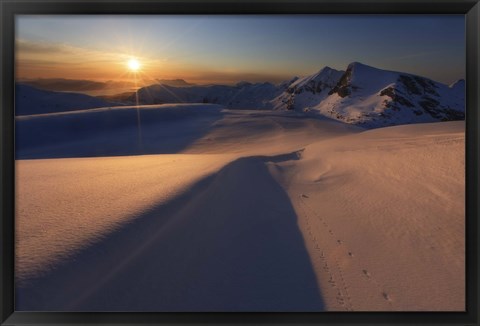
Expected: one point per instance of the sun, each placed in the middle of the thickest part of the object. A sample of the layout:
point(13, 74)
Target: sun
point(133, 65)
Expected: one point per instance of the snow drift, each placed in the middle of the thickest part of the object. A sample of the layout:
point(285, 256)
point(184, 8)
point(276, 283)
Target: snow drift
point(264, 211)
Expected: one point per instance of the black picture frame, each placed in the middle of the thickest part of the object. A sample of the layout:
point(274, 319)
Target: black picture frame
point(10, 8)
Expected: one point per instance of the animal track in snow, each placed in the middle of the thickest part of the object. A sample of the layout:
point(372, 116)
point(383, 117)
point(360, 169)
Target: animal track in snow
point(336, 275)
point(344, 286)
point(386, 296)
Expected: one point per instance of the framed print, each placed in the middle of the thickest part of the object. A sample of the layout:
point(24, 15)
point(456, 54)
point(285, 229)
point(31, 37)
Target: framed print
point(235, 162)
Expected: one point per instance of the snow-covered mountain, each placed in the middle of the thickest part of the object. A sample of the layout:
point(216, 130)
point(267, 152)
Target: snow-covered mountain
point(30, 100)
point(300, 93)
point(361, 95)
point(458, 88)
point(244, 95)
point(374, 97)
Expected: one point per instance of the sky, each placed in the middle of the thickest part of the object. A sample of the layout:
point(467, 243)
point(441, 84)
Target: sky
point(228, 49)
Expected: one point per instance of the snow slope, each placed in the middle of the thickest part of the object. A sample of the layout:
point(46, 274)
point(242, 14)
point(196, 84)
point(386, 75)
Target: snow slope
point(261, 211)
point(383, 217)
point(162, 200)
point(220, 247)
point(111, 131)
point(91, 197)
point(30, 100)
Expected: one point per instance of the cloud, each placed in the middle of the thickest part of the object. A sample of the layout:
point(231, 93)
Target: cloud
point(61, 52)
point(25, 46)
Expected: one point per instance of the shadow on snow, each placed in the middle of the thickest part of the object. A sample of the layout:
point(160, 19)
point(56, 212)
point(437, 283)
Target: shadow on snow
point(230, 243)
point(113, 131)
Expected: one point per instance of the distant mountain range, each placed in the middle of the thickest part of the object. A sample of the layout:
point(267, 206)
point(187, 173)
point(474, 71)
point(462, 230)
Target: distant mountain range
point(75, 85)
point(174, 82)
point(361, 95)
point(82, 85)
point(30, 100)
point(244, 95)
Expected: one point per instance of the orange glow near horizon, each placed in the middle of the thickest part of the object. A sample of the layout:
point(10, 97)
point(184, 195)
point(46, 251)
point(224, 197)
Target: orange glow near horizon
point(43, 60)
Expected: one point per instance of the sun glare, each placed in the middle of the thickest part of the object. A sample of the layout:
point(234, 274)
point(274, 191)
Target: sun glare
point(133, 65)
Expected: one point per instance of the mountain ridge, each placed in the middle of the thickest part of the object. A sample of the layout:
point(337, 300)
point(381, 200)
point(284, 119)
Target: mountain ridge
point(361, 95)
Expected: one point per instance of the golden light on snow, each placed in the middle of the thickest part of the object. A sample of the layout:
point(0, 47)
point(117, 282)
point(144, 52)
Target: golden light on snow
point(133, 65)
